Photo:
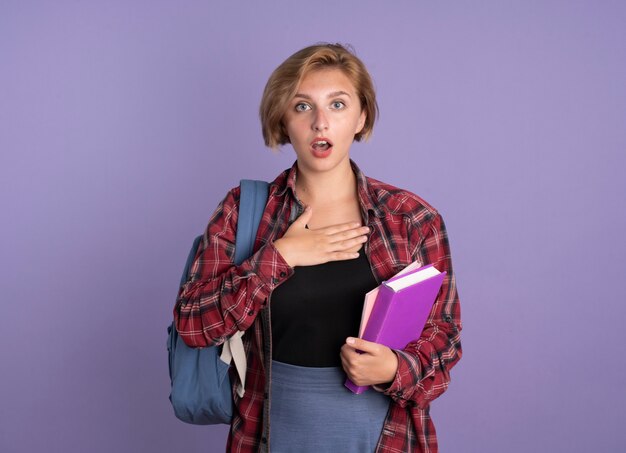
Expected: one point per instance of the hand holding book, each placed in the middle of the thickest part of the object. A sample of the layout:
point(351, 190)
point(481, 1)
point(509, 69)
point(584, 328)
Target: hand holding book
point(368, 363)
point(394, 314)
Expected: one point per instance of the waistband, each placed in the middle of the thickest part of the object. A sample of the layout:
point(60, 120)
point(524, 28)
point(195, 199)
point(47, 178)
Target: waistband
point(289, 375)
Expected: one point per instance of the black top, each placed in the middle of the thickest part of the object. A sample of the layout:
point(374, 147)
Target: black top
point(317, 308)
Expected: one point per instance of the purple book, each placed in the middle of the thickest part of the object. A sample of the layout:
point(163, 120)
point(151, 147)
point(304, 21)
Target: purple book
point(401, 309)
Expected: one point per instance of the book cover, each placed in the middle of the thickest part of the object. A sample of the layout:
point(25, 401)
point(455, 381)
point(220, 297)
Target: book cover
point(370, 297)
point(401, 308)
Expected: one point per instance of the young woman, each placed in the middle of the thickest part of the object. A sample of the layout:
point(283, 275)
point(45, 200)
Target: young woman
point(328, 235)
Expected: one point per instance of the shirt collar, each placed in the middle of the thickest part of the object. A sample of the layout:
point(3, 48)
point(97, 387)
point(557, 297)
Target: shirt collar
point(287, 181)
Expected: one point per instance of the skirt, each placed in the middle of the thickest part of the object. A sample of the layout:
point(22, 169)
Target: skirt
point(312, 411)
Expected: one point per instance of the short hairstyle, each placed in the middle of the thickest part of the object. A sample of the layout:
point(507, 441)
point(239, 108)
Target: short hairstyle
point(284, 81)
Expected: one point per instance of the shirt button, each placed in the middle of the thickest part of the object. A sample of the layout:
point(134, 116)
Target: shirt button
point(283, 274)
point(251, 312)
point(264, 439)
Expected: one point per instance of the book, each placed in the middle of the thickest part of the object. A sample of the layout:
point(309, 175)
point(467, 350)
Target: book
point(395, 312)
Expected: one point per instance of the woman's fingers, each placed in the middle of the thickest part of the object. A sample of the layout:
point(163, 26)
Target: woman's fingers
point(348, 235)
point(344, 230)
point(305, 247)
point(345, 243)
point(368, 363)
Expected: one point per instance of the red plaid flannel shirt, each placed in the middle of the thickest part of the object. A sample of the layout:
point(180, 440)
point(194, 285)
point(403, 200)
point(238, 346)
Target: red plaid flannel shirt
point(221, 298)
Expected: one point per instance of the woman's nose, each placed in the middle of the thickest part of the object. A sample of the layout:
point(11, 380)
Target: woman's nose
point(320, 122)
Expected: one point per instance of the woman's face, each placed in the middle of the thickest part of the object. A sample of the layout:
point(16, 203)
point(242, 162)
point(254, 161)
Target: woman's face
point(322, 119)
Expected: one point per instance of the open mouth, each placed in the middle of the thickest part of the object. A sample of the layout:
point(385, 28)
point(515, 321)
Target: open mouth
point(321, 147)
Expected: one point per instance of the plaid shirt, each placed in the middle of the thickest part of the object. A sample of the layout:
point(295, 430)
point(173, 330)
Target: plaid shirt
point(221, 298)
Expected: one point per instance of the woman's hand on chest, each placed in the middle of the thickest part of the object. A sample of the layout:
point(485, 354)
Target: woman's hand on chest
point(301, 246)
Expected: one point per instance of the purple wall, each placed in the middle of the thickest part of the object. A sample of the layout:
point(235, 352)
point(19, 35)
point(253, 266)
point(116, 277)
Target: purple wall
point(123, 123)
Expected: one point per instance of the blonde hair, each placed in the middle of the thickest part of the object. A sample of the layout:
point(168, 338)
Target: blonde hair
point(284, 81)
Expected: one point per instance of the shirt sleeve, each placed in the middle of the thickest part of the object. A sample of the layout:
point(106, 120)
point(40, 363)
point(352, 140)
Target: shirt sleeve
point(220, 298)
point(424, 365)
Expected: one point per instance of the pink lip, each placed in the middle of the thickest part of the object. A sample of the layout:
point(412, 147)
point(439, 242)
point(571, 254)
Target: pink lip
point(319, 152)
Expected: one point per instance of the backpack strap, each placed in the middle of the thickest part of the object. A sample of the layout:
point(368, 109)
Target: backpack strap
point(252, 203)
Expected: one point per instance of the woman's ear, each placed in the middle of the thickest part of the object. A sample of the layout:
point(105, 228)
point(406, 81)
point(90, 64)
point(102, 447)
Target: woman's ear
point(361, 122)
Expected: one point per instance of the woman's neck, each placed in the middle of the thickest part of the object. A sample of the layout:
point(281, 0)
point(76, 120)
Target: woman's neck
point(327, 187)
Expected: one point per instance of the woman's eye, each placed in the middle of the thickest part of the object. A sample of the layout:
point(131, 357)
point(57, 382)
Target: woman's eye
point(302, 107)
point(338, 105)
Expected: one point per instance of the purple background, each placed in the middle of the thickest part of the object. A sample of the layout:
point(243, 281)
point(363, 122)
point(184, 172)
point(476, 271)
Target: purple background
point(122, 124)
